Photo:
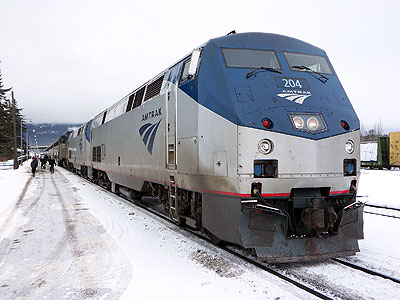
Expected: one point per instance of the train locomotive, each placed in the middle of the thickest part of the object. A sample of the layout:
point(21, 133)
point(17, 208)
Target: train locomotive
point(250, 138)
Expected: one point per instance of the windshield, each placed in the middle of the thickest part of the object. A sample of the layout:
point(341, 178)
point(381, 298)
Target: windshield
point(250, 58)
point(313, 62)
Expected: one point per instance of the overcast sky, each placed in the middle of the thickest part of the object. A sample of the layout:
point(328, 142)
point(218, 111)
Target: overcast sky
point(68, 60)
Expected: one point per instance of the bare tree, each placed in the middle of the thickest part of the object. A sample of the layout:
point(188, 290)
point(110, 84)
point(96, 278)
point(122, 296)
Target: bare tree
point(378, 127)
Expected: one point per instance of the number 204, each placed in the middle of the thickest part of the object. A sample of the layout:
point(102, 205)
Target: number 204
point(290, 83)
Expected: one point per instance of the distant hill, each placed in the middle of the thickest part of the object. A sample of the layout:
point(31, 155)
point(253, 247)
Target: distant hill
point(47, 133)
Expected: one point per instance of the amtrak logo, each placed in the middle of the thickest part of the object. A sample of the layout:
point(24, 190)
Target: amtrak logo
point(296, 96)
point(148, 133)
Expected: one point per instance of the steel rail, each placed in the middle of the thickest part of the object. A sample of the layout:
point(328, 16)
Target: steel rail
point(368, 271)
point(382, 206)
point(378, 214)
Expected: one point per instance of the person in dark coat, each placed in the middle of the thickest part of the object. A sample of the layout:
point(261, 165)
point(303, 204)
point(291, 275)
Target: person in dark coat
point(43, 162)
point(34, 165)
point(52, 163)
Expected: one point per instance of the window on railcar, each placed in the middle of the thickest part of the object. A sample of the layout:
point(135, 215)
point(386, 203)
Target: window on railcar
point(130, 102)
point(104, 117)
point(316, 63)
point(116, 110)
point(250, 58)
point(185, 71)
point(97, 121)
point(138, 97)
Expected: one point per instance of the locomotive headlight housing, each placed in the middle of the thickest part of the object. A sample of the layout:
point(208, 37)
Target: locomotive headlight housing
point(298, 122)
point(349, 146)
point(308, 122)
point(312, 123)
point(265, 146)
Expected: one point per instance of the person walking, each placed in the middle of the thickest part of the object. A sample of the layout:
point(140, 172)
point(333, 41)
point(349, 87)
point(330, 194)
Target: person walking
point(43, 162)
point(52, 163)
point(34, 165)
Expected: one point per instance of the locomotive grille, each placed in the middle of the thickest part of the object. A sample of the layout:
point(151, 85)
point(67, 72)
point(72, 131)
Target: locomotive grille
point(154, 88)
point(96, 154)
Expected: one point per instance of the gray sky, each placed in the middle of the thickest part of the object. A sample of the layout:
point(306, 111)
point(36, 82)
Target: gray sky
point(68, 60)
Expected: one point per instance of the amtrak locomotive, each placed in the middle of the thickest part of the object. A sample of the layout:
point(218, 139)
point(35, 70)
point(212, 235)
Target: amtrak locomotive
point(250, 138)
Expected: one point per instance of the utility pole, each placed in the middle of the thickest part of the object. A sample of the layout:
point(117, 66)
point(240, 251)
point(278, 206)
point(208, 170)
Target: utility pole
point(14, 130)
point(21, 139)
point(26, 141)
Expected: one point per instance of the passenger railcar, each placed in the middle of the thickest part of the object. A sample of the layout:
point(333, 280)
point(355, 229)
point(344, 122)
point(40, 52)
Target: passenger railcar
point(250, 138)
point(59, 150)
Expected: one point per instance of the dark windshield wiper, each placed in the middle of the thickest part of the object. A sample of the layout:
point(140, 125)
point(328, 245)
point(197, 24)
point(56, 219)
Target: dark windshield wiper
point(322, 78)
point(262, 68)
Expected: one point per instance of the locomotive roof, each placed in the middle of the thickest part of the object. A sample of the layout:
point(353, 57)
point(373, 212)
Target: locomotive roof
point(260, 40)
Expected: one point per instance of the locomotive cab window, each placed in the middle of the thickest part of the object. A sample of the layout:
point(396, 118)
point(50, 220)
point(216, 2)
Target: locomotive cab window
point(250, 58)
point(185, 71)
point(300, 62)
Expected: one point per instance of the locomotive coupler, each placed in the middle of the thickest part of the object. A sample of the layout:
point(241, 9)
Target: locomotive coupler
point(318, 220)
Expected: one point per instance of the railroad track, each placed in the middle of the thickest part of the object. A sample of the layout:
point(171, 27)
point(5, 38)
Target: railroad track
point(365, 270)
point(395, 211)
point(383, 207)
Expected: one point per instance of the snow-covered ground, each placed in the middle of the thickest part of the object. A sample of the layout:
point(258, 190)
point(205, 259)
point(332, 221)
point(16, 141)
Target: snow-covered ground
point(380, 187)
point(62, 237)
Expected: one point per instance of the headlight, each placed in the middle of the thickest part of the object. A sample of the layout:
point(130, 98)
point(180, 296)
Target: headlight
point(308, 122)
point(265, 146)
point(349, 146)
point(312, 123)
point(298, 122)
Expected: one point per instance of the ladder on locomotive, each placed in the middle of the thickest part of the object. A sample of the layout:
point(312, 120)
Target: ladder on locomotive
point(173, 201)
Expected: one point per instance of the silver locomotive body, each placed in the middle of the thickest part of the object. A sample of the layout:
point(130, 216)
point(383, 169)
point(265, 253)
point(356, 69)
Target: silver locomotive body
point(195, 137)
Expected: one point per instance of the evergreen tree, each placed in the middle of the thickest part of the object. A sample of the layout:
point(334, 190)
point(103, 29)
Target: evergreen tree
point(5, 124)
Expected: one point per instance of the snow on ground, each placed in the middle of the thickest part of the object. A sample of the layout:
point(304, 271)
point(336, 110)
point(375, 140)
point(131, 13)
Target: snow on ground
point(167, 264)
point(380, 248)
point(380, 187)
point(69, 239)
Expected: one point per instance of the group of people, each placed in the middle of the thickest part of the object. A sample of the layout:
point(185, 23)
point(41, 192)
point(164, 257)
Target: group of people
point(43, 161)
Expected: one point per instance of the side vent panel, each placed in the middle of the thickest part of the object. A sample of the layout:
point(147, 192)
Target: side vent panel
point(154, 88)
